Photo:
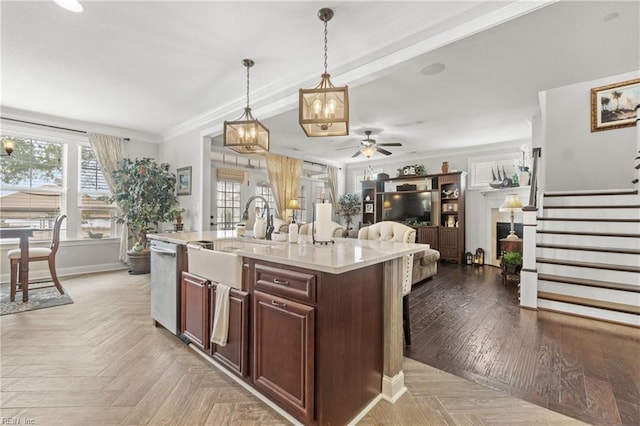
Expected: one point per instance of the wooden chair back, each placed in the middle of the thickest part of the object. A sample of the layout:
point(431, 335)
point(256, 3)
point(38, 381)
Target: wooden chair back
point(55, 239)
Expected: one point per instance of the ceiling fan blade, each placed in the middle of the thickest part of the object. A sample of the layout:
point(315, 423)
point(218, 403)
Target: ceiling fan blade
point(345, 147)
point(383, 151)
point(356, 154)
point(390, 144)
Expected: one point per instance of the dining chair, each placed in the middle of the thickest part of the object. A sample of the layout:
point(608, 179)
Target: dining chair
point(398, 232)
point(38, 254)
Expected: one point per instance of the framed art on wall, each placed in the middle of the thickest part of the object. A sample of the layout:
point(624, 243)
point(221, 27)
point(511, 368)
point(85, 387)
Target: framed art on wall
point(183, 184)
point(614, 106)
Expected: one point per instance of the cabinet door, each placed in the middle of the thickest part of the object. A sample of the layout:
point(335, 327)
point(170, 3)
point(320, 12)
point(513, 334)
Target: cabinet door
point(428, 235)
point(283, 353)
point(449, 244)
point(195, 309)
point(235, 354)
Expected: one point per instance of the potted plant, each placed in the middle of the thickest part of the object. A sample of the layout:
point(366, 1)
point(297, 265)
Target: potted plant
point(176, 215)
point(350, 206)
point(512, 261)
point(145, 191)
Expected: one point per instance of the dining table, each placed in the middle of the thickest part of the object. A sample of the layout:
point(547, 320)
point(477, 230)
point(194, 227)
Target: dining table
point(23, 234)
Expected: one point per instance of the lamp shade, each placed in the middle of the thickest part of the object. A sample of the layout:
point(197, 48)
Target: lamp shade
point(511, 203)
point(293, 204)
point(8, 145)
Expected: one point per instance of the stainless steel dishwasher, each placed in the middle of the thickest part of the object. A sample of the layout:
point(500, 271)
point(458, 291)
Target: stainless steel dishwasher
point(166, 271)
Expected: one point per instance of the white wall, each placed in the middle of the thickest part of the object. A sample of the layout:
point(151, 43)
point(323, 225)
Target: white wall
point(189, 150)
point(575, 158)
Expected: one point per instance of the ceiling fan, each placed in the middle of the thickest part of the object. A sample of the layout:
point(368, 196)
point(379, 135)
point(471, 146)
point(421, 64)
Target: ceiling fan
point(368, 146)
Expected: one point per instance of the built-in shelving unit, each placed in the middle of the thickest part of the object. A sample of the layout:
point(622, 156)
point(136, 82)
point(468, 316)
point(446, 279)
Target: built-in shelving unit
point(432, 204)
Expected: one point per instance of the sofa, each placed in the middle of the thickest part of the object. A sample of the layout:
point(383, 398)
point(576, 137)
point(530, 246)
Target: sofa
point(425, 263)
point(336, 229)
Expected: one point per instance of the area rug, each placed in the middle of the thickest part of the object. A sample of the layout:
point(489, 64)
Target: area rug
point(38, 298)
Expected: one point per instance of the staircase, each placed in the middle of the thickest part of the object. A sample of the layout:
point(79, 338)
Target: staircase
point(588, 255)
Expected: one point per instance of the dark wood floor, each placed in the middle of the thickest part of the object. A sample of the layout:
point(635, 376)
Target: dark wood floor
point(467, 322)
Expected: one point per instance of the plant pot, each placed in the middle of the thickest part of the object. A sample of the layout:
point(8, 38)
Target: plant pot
point(512, 269)
point(178, 226)
point(140, 262)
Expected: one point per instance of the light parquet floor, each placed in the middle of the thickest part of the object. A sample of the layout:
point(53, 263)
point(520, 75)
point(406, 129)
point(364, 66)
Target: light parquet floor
point(100, 361)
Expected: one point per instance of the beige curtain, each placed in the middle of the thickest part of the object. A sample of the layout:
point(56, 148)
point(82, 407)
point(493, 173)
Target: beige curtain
point(284, 176)
point(109, 150)
point(332, 177)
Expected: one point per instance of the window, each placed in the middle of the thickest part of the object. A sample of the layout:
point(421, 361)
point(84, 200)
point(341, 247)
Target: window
point(264, 189)
point(228, 204)
point(95, 212)
point(32, 184)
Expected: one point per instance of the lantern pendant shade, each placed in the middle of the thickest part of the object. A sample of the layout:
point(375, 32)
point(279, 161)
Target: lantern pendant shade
point(324, 110)
point(246, 135)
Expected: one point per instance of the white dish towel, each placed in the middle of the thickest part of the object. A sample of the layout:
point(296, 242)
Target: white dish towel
point(221, 316)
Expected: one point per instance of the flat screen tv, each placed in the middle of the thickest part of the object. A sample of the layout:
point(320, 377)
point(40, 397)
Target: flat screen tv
point(408, 207)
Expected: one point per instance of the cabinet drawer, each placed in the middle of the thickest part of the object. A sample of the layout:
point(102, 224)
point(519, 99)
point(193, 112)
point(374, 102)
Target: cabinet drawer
point(283, 282)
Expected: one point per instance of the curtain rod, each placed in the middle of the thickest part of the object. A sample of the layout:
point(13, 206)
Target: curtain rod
point(318, 164)
point(49, 125)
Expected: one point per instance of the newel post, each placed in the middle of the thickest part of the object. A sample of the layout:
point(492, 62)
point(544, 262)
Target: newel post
point(529, 273)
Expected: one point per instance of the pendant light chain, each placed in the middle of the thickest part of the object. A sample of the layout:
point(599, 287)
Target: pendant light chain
point(325, 46)
point(248, 85)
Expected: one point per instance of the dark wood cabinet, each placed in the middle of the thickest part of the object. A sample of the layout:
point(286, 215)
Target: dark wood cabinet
point(451, 239)
point(317, 339)
point(194, 324)
point(235, 354)
point(428, 235)
point(371, 202)
point(283, 358)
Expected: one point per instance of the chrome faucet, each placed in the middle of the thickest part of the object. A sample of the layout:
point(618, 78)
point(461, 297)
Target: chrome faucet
point(245, 215)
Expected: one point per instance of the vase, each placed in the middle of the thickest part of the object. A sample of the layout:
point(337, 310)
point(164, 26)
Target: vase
point(260, 228)
point(523, 178)
point(445, 167)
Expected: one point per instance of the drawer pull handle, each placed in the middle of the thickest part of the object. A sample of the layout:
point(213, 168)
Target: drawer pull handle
point(280, 282)
point(279, 305)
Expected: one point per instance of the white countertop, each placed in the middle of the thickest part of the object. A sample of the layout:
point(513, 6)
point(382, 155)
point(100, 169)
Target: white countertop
point(344, 255)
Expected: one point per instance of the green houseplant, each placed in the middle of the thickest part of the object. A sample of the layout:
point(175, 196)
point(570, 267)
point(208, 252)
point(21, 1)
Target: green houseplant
point(350, 206)
point(512, 261)
point(145, 191)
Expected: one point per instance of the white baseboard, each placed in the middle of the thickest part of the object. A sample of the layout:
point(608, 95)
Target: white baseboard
point(393, 387)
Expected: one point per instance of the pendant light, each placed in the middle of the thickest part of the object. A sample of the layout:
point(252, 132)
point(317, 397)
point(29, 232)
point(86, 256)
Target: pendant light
point(246, 135)
point(324, 110)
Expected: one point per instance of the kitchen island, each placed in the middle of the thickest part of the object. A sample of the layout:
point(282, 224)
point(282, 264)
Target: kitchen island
point(316, 329)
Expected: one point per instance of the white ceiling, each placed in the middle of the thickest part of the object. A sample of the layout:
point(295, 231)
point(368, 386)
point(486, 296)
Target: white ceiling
point(165, 67)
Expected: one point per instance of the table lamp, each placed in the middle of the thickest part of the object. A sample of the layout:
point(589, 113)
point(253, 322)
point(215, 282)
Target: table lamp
point(511, 204)
point(293, 206)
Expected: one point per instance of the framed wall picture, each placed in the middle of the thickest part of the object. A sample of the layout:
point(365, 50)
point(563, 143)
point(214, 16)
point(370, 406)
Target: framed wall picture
point(183, 184)
point(614, 106)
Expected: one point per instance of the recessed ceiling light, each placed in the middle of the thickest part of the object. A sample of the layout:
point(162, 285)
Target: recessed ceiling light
point(72, 5)
point(432, 69)
point(610, 17)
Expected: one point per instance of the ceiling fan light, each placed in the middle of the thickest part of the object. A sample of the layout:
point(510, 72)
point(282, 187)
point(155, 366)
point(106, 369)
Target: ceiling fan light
point(368, 151)
point(70, 5)
point(324, 109)
point(8, 145)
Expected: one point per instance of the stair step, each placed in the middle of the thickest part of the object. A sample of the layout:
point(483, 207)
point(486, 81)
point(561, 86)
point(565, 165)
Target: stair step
point(589, 312)
point(587, 240)
point(590, 283)
point(591, 234)
point(575, 300)
point(591, 193)
point(592, 265)
point(589, 248)
point(587, 219)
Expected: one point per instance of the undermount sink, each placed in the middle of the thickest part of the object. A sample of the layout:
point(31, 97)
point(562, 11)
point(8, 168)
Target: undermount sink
point(221, 267)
